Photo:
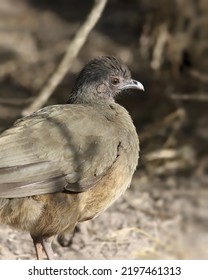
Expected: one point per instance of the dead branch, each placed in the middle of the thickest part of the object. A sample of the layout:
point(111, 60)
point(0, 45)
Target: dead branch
point(71, 52)
point(201, 97)
point(198, 75)
point(159, 47)
point(179, 114)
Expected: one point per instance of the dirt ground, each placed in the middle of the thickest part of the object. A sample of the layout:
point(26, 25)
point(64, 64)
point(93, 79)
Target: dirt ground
point(163, 215)
point(155, 219)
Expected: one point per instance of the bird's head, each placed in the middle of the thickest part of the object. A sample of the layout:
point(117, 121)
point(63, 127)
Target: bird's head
point(101, 80)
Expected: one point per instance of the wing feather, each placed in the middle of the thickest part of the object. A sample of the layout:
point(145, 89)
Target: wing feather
point(59, 147)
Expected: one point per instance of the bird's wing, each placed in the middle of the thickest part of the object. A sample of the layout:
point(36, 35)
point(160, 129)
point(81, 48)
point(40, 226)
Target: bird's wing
point(62, 147)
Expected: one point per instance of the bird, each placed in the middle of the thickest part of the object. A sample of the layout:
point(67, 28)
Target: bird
point(67, 163)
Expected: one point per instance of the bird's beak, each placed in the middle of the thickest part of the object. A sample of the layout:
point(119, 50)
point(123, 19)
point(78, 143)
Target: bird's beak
point(133, 84)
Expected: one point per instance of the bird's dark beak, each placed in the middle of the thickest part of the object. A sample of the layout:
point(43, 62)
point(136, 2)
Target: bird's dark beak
point(133, 84)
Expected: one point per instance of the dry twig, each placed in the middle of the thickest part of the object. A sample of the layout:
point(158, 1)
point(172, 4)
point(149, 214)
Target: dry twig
point(166, 121)
point(158, 50)
point(198, 75)
point(201, 97)
point(71, 52)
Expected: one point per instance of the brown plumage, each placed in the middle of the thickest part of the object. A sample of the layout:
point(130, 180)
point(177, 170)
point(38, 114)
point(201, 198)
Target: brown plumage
point(65, 164)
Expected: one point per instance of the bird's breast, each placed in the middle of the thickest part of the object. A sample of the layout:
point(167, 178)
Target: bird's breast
point(111, 186)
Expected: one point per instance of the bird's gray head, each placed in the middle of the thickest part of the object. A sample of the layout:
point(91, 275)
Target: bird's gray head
point(101, 80)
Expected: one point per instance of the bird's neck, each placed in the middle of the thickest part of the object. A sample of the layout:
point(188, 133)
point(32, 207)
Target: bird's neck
point(91, 98)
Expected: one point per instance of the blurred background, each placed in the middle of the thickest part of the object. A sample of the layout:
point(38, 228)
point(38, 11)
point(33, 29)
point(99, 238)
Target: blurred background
point(165, 44)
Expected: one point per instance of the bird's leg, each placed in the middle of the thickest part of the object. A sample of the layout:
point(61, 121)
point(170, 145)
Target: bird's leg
point(42, 248)
point(37, 241)
point(47, 248)
point(66, 239)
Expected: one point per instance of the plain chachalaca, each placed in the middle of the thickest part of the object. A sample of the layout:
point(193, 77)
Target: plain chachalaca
point(65, 164)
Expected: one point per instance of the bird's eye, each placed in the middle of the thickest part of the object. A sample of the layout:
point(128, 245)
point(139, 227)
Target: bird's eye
point(115, 81)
